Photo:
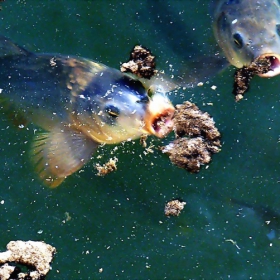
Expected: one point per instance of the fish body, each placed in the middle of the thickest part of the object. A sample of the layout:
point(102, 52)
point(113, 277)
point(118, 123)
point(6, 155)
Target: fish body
point(247, 30)
point(79, 103)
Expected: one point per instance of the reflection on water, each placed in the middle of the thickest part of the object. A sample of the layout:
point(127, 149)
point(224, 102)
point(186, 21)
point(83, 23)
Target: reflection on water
point(229, 227)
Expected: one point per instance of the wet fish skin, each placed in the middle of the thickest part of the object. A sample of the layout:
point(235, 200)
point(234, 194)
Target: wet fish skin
point(247, 30)
point(79, 103)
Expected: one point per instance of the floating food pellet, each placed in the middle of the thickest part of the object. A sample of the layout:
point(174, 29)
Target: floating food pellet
point(174, 207)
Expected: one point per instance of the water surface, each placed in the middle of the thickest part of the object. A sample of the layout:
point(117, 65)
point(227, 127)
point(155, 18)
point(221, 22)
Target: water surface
point(230, 225)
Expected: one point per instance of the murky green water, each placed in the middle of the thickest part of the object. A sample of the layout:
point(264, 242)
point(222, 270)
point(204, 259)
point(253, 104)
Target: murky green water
point(117, 222)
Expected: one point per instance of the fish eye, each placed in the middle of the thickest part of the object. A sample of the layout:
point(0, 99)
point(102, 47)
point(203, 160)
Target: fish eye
point(113, 111)
point(238, 40)
point(278, 29)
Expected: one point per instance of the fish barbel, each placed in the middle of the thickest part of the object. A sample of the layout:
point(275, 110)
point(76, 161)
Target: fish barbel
point(248, 30)
point(79, 103)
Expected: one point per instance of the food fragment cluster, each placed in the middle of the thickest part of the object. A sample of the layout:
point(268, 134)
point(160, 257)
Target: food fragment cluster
point(107, 167)
point(141, 63)
point(33, 254)
point(174, 207)
point(197, 138)
point(244, 75)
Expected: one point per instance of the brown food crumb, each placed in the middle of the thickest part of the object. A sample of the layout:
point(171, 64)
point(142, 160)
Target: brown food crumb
point(244, 75)
point(31, 253)
point(189, 153)
point(141, 63)
point(107, 167)
point(201, 141)
point(143, 139)
point(174, 207)
point(190, 121)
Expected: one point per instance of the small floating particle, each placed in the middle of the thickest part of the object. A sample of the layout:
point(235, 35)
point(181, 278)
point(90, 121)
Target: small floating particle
point(107, 167)
point(52, 62)
point(233, 242)
point(143, 139)
point(67, 217)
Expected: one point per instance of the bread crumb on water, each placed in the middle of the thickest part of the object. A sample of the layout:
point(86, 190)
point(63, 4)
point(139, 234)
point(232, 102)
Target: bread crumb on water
point(174, 207)
point(33, 254)
point(141, 63)
point(197, 138)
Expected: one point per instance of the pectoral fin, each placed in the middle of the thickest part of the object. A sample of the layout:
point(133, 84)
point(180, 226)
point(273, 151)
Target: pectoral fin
point(60, 152)
point(9, 48)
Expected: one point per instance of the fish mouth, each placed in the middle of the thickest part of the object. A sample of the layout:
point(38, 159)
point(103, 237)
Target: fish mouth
point(274, 60)
point(159, 117)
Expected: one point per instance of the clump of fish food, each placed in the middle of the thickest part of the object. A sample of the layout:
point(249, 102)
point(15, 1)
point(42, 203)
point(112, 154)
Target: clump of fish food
point(174, 207)
point(244, 75)
point(36, 256)
point(141, 63)
point(197, 138)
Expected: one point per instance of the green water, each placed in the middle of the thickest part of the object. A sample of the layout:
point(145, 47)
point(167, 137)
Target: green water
point(117, 222)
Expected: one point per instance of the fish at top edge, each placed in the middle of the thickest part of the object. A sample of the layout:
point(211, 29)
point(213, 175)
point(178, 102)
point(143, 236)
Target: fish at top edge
point(79, 103)
point(247, 30)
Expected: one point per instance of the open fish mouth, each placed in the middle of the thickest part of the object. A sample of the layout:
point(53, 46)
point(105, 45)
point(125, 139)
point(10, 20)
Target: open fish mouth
point(159, 117)
point(162, 125)
point(274, 60)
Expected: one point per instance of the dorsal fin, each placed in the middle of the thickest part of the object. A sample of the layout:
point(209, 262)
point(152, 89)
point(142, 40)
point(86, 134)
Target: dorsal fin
point(9, 48)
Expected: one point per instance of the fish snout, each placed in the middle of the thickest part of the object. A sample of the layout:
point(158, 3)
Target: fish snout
point(158, 120)
point(274, 60)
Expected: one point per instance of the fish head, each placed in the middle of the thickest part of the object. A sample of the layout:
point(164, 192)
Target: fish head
point(118, 107)
point(247, 30)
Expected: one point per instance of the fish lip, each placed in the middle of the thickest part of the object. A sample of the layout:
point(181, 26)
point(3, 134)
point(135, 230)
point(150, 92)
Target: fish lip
point(275, 65)
point(160, 123)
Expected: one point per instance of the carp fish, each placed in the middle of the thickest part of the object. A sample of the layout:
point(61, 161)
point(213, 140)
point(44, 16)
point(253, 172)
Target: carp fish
point(247, 30)
point(78, 104)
